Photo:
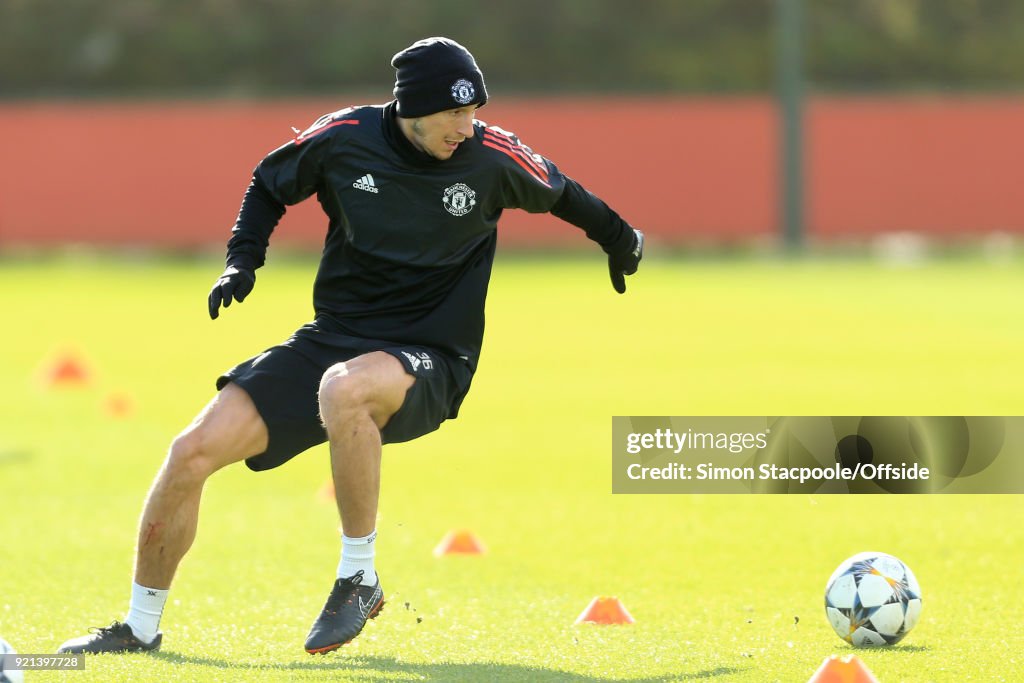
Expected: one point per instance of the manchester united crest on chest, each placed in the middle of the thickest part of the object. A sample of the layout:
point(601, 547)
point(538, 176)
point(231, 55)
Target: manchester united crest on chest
point(459, 199)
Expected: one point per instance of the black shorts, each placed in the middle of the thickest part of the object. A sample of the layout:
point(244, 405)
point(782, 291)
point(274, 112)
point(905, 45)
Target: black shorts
point(284, 381)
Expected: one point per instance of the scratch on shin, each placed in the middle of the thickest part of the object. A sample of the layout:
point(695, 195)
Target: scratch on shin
point(151, 530)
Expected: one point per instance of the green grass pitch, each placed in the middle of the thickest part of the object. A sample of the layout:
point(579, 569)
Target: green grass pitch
point(723, 588)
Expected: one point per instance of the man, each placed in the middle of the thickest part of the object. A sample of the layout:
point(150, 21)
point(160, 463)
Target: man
point(413, 190)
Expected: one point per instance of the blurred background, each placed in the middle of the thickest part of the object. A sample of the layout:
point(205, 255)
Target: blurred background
point(139, 123)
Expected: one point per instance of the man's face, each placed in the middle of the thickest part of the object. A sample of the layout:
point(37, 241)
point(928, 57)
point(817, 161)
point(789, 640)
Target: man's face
point(440, 134)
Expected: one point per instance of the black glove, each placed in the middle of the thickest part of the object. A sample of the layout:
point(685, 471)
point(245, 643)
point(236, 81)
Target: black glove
point(235, 283)
point(626, 262)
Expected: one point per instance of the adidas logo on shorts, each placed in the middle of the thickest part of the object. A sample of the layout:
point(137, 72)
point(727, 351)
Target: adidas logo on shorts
point(419, 359)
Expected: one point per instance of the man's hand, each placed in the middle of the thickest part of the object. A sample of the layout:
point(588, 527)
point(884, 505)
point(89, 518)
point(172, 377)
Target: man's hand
point(625, 263)
point(233, 283)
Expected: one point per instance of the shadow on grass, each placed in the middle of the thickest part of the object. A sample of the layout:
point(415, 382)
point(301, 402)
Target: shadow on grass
point(385, 669)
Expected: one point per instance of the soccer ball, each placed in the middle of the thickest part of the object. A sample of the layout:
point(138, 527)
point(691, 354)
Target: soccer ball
point(6, 676)
point(872, 599)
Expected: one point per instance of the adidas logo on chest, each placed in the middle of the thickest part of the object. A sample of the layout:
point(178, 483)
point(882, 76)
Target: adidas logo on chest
point(366, 184)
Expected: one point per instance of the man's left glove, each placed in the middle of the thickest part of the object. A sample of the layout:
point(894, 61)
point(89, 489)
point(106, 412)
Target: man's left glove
point(623, 263)
point(236, 283)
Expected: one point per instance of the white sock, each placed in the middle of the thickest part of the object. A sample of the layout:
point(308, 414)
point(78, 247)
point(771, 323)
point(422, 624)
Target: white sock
point(145, 610)
point(356, 554)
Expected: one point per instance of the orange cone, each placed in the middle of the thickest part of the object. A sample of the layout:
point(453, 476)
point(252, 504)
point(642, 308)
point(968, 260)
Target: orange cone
point(67, 371)
point(460, 542)
point(326, 492)
point(119, 404)
point(848, 669)
point(605, 610)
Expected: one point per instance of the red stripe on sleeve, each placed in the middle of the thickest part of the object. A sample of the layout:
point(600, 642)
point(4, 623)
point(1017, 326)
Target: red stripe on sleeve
point(299, 139)
point(517, 149)
point(515, 157)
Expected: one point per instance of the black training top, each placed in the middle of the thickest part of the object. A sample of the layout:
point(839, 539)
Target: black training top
point(410, 239)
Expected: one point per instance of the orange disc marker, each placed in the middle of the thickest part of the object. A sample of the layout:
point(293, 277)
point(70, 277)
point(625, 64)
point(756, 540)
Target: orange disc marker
point(326, 492)
point(67, 371)
point(605, 610)
point(848, 669)
point(460, 542)
point(119, 404)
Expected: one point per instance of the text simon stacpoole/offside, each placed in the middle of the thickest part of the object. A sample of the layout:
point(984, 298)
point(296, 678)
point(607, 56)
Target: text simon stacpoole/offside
point(721, 446)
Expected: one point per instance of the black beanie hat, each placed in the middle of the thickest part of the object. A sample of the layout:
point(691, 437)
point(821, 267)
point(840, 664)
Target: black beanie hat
point(435, 74)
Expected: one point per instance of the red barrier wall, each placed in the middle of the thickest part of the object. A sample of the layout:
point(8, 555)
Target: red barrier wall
point(933, 165)
point(684, 169)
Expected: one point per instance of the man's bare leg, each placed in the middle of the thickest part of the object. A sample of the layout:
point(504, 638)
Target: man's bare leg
point(229, 429)
point(357, 398)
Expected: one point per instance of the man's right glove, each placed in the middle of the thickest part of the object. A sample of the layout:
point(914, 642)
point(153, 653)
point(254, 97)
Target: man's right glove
point(234, 283)
point(626, 262)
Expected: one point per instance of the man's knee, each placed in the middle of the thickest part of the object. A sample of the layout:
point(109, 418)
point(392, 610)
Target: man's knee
point(344, 389)
point(228, 430)
point(190, 457)
point(370, 385)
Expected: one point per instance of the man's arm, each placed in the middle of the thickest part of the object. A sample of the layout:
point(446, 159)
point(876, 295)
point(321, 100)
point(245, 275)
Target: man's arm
point(534, 183)
point(247, 248)
point(259, 215)
point(623, 244)
point(286, 176)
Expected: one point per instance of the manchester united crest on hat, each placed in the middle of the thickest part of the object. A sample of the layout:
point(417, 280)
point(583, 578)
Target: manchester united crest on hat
point(462, 91)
